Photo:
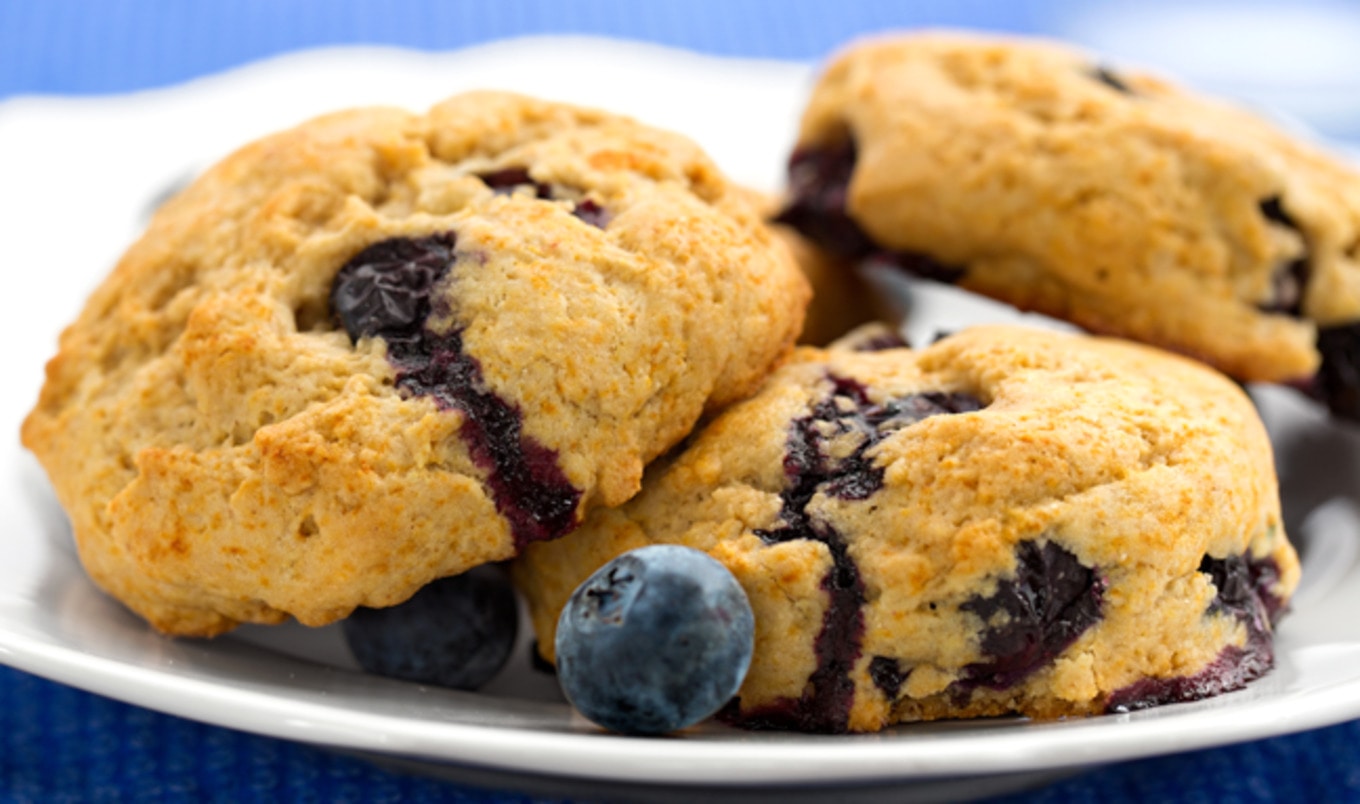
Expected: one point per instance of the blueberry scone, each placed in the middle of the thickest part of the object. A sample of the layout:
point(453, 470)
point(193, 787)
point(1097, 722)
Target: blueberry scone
point(1028, 172)
point(841, 298)
point(384, 347)
point(1008, 521)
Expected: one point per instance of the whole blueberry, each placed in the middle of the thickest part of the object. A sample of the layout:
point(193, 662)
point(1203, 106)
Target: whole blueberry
point(656, 640)
point(455, 632)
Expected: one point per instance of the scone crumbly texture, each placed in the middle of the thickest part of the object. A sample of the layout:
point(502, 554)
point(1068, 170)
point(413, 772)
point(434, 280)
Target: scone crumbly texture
point(1031, 172)
point(841, 298)
point(538, 300)
point(1008, 521)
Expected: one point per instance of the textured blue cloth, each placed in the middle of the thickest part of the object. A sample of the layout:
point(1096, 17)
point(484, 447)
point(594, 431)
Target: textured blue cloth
point(61, 744)
point(116, 45)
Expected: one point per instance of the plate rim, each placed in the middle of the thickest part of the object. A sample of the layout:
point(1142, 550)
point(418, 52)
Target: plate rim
point(785, 760)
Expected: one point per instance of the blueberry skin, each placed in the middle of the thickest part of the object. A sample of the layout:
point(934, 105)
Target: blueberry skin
point(455, 632)
point(658, 639)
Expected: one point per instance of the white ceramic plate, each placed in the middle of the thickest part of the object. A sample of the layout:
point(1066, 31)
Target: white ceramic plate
point(79, 176)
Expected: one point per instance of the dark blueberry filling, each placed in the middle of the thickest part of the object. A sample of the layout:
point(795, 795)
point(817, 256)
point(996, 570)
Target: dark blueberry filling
point(1112, 80)
point(1337, 383)
point(1289, 280)
point(1274, 212)
point(385, 291)
point(880, 341)
point(1338, 379)
point(1050, 602)
point(848, 414)
point(887, 675)
point(819, 179)
point(1231, 670)
point(1245, 591)
point(819, 182)
point(526, 482)
point(810, 468)
point(592, 213)
point(507, 180)
point(1236, 593)
point(1265, 574)
point(826, 705)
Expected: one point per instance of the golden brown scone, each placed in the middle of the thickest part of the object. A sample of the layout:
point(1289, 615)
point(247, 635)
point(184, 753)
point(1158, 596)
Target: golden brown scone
point(384, 347)
point(1010, 520)
point(1026, 171)
point(841, 299)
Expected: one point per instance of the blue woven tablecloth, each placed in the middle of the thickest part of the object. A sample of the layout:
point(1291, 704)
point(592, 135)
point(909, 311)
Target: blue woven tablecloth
point(62, 744)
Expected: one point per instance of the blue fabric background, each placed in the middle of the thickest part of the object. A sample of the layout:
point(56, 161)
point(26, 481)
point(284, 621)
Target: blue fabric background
point(114, 45)
point(61, 744)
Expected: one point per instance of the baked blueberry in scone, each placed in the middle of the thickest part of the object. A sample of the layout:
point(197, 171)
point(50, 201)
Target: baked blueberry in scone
point(382, 348)
point(1029, 172)
point(1007, 521)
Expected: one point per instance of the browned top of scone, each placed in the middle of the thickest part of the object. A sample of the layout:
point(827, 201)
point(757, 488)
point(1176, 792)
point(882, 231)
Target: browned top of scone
point(1007, 521)
point(231, 448)
point(1105, 196)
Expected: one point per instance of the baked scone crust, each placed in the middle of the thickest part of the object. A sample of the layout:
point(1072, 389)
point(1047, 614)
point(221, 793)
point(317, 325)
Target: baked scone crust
point(228, 453)
point(1109, 198)
point(1125, 483)
point(841, 298)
